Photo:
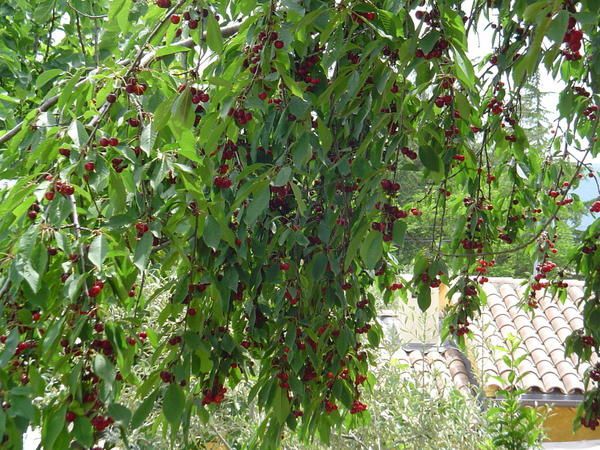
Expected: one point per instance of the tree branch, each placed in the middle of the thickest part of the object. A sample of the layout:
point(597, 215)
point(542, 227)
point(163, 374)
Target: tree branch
point(145, 61)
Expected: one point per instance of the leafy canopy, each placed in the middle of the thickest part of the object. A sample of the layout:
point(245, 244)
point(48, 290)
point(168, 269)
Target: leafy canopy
point(250, 155)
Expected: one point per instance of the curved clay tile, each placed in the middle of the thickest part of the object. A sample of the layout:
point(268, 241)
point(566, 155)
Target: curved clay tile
point(526, 368)
point(555, 350)
point(575, 293)
point(457, 369)
point(531, 340)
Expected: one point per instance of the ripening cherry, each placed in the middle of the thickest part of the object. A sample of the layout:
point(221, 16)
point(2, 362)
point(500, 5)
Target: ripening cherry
point(113, 142)
point(284, 266)
point(89, 166)
point(104, 142)
point(278, 44)
point(49, 195)
point(175, 19)
point(111, 98)
point(163, 3)
point(64, 152)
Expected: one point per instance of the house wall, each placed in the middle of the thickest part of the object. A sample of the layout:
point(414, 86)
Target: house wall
point(559, 427)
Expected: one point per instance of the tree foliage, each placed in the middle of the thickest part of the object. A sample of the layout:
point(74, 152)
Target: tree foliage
point(252, 155)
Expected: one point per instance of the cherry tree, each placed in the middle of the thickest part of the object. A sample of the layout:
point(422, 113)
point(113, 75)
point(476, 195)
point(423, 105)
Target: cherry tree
point(247, 157)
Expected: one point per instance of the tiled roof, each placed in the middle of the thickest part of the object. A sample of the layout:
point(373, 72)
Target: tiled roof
point(439, 368)
point(542, 333)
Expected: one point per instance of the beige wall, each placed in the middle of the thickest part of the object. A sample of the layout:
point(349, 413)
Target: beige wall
point(559, 427)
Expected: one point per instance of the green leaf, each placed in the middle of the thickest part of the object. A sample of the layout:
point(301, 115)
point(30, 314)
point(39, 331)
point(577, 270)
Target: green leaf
point(54, 423)
point(325, 135)
point(259, 203)
point(46, 76)
point(558, 27)
point(281, 406)
point(299, 200)
point(98, 250)
point(464, 69)
point(104, 369)
point(117, 194)
point(283, 176)
point(10, 347)
point(163, 112)
point(148, 138)
point(430, 159)
point(188, 146)
point(77, 133)
point(302, 151)
point(424, 298)
point(52, 334)
point(429, 40)
point(371, 249)
point(121, 414)
point(171, 49)
point(319, 264)
point(142, 251)
point(83, 431)
point(214, 38)
point(25, 269)
point(212, 232)
point(143, 411)
point(118, 14)
point(183, 111)
point(173, 403)
point(399, 232)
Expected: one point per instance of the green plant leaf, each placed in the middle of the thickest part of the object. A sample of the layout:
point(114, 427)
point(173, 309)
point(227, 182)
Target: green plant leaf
point(98, 250)
point(214, 39)
point(143, 411)
point(212, 232)
point(173, 403)
point(143, 250)
point(259, 203)
point(371, 249)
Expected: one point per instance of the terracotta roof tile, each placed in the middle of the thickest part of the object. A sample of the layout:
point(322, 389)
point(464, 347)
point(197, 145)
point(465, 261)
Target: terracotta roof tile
point(440, 368)
point(542, 333)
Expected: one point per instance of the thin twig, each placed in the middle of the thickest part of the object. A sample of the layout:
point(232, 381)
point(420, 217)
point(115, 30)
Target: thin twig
point(50, 31)
point(89, 16)
point(80, 35)
point(221, 438)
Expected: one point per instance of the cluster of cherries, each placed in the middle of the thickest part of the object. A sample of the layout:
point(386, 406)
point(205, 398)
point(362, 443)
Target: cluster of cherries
point(590, 112)
point(133, 87)
point(108, 142)
point(63, 188)
point(192, 23)
point(495, 106)
point(357, 407)
point(117, 164)
point(96, 288)
point(443, 100)
point(215, 395)
point(572, 38)
point(306, 69)
point(100, 423)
